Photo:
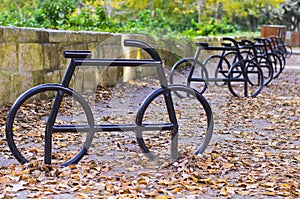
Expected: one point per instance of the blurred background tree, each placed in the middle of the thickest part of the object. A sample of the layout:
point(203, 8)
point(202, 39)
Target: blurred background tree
point(288, 13)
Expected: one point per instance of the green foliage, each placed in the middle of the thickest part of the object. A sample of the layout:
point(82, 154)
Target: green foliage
point(148, 21)
point(87, 19)
point(54, 14)
point(156, 18)
point(13, 15)
point(212, 27)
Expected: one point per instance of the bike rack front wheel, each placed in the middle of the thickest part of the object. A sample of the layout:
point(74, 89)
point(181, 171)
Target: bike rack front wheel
point(192, 131)
point(217, 66)
point(266, 67)
point(250, 79)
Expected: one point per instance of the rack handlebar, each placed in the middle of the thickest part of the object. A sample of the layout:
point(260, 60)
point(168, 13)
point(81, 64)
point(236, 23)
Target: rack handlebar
point(139, 44)
point(246, 41)
point(202, 44)
point(235, 43)
point(83, 54)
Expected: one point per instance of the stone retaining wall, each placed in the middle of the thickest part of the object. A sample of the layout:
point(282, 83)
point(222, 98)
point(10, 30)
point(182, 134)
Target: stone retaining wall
point(30, 56)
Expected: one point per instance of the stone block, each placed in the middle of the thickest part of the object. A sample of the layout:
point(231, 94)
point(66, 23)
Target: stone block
point(5, 87)
point(1, 34)
point(89, 36)
point(112, 51)
point(74, 46)
point(30, 57)
point(97, 50)
point(60, 55)
point(50, 56)
point(38, 77)
point(147, 71)
point(20, 82)
point(78, 81)
point(58, 36)
point(109, 76)
point(9, 34)
point(111, 39)
point(85, 79)
point(63, 36)
point(31, 35)
point(53, 76)
point(75, 37)
point(104, 38)
point(8, 56)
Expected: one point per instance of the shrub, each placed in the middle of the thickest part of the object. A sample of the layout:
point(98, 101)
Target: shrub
point(55, 14)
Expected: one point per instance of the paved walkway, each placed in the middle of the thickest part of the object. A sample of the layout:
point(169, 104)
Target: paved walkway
point(294, 61)
point(293, 64)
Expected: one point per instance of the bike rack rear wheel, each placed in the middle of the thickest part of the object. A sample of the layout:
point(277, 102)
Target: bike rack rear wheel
point(190, 72)
point(29, 135)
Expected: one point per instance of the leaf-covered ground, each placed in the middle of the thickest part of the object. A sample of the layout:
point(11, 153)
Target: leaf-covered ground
point(254, 153)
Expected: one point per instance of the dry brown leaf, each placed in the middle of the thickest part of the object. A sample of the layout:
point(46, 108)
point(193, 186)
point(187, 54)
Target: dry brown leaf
point(269, 193)
point(223, 192)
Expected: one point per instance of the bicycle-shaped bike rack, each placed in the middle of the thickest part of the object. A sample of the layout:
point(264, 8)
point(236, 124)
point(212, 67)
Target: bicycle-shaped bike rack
point(52, 133)
point(244, 77)
point(279, 45)
point(274, 53)
point(249, 50)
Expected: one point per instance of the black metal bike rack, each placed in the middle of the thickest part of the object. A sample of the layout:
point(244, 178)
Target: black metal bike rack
point(83, 58)
point(235, 72)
